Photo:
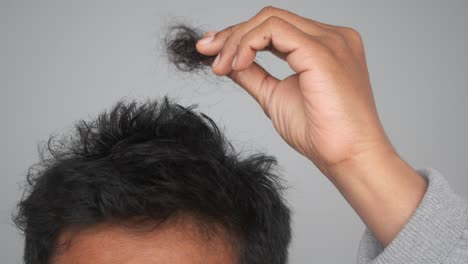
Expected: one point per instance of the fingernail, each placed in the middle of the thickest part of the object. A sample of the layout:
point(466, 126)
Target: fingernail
point(206, 40)
point(234, 62)
point(215, 62)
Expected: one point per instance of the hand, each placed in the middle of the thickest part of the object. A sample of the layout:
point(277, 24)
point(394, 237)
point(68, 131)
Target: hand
point(326, 110)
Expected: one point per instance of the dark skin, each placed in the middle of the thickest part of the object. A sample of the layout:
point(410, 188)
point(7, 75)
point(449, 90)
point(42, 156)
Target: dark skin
point(325, 111)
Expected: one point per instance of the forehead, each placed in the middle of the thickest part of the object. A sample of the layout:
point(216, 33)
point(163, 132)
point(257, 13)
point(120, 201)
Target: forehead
point(176, 242)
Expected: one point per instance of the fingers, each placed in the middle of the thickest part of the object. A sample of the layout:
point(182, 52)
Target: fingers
point(309, 26)
point(302, 42)
point(261, 37)
point(282, 36)
point(286, 39)
point(211, 46)
point(225, 42)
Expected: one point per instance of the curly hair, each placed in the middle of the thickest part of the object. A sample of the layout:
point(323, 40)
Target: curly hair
point(151, 160)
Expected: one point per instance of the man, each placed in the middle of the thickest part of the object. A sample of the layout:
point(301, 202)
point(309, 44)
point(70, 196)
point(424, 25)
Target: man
point(140, 185)
point(153, 182)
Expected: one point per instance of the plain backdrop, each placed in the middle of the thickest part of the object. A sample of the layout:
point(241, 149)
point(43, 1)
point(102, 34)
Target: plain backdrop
point(61, 61)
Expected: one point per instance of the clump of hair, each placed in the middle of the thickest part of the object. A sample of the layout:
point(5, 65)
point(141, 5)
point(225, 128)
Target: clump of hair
point(180, 47)
point(152, 161)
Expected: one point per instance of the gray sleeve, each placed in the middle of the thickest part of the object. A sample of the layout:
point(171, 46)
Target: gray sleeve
point(437, 232)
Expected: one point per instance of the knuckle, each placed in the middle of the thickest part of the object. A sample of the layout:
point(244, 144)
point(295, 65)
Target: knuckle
point(273, 21)
point(354, 39)
point(352, 34)
point(268, 10)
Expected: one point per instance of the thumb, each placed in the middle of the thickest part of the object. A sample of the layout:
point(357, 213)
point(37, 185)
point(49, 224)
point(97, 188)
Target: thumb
point(257, 82)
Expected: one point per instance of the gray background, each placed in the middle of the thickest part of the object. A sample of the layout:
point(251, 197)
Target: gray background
point(61, 61)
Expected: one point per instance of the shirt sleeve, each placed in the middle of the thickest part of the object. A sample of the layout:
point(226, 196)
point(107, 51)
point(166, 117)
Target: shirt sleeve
point(437, 232)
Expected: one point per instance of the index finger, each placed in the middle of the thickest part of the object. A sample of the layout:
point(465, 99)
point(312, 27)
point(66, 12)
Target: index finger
point(234, 33)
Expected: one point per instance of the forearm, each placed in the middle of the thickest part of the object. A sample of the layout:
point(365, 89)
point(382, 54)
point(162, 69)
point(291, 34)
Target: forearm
point(383, 190)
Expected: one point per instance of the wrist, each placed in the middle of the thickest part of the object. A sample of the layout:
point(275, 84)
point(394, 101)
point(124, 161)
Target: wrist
point(382, 188)
point(372, 157)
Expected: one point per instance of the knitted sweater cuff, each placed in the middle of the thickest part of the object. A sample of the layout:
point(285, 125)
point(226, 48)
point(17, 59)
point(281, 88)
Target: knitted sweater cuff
point(431, 232)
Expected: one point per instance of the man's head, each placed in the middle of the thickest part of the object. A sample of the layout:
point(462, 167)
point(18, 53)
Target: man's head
point(152, 182)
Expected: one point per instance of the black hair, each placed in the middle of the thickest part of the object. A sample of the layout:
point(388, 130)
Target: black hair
point(180, 44)
point(153, 160)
